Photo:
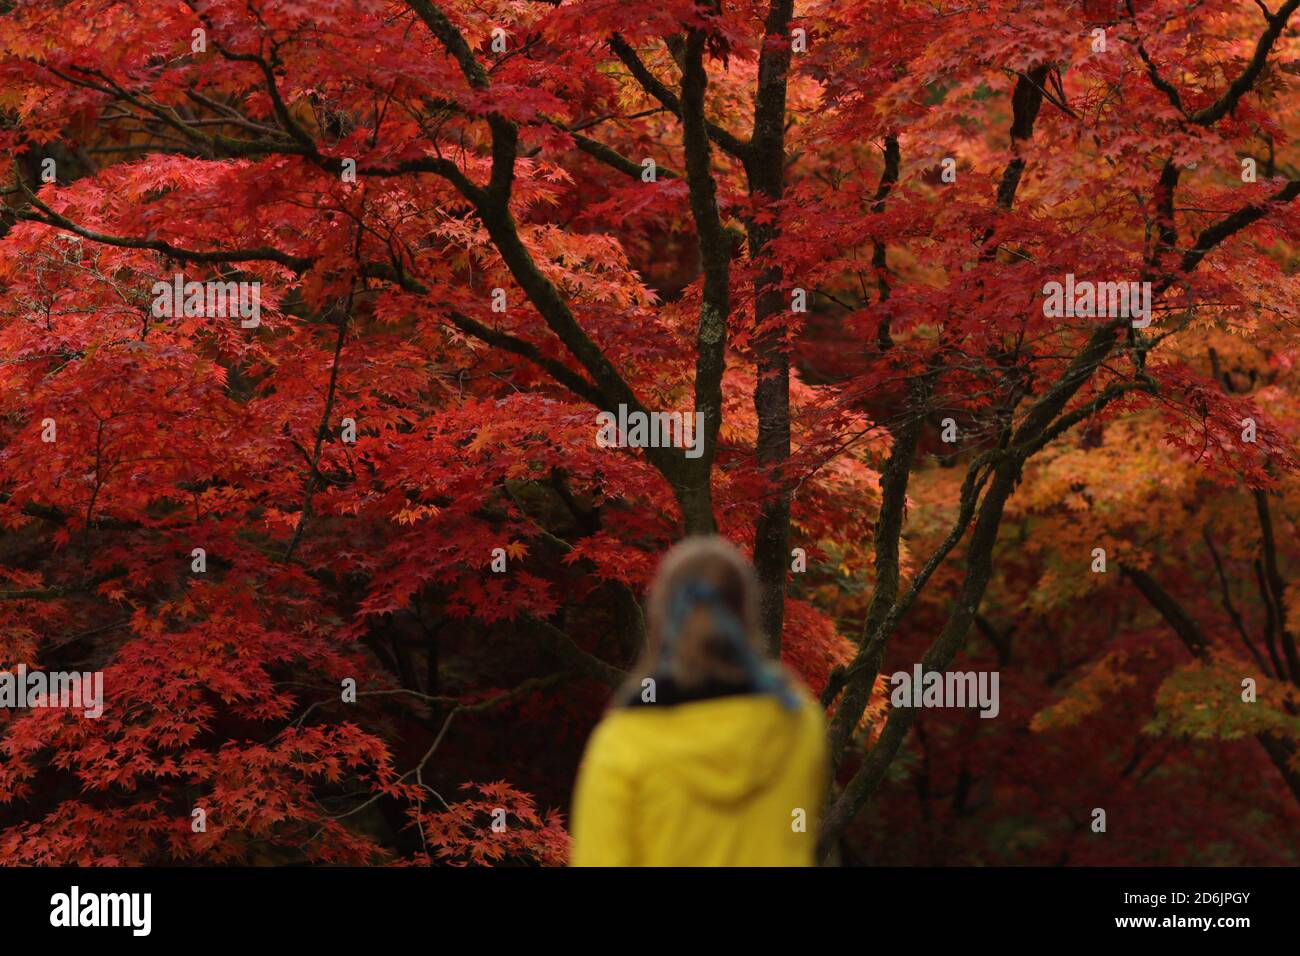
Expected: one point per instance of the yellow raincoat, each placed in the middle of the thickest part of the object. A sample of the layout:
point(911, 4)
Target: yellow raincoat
point(728, 781)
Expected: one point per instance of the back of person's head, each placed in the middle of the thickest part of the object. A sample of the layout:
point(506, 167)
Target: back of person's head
point(702, 625)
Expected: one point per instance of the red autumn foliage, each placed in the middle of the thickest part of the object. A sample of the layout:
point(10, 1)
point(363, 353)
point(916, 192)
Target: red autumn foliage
point(826, 228)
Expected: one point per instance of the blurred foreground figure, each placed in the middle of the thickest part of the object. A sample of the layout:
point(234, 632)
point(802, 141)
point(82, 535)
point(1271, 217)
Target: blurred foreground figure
point(710, 754)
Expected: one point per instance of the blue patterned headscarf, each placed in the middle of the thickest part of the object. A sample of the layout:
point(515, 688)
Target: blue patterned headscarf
point(765, 678)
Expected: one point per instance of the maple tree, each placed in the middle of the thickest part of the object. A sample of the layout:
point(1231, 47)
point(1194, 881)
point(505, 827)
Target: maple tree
point(826, 229)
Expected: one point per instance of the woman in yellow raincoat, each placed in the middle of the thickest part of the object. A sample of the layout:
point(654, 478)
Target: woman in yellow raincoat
point(710, 755)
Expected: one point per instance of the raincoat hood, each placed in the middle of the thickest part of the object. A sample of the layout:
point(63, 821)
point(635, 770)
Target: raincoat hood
point(723, 750)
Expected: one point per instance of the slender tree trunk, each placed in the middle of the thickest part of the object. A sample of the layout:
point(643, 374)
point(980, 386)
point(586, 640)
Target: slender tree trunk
point(765, 169)
point(889, 530)
point(978, 571)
